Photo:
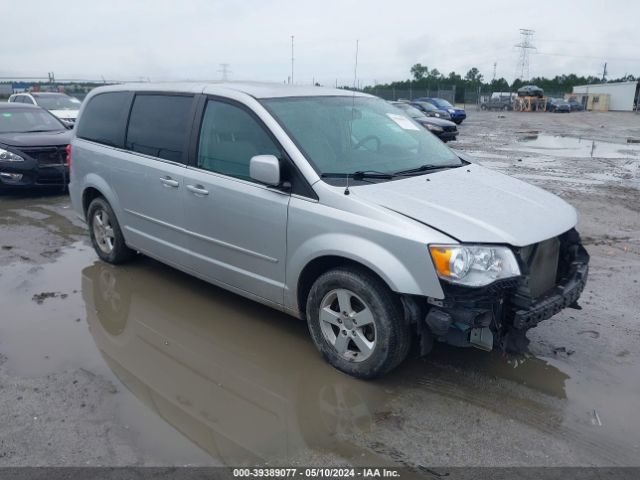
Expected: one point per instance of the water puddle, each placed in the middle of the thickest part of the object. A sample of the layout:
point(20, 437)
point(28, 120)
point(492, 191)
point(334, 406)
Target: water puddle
point(561, 146)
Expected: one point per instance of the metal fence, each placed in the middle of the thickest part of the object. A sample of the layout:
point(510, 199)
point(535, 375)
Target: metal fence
point(478, 97)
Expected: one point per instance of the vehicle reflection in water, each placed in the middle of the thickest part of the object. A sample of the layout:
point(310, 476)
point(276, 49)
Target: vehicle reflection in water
point(242, 381)
point(245, 383)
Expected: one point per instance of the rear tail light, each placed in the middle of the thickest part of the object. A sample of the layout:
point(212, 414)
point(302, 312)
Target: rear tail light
point(68, 149)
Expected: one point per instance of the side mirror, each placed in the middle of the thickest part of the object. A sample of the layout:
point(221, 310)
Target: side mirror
point(265, 169)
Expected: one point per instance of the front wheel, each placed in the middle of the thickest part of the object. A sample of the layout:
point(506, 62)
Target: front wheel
point(106, 236)
point(357, 323)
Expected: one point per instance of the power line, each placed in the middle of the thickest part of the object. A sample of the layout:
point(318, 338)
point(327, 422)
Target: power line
point(595, 57)
point(525, 46)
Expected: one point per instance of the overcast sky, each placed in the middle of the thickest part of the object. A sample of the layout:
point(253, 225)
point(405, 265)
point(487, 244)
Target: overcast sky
point(188, 39)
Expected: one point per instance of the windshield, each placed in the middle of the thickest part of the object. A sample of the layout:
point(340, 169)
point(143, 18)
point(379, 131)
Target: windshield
point(57, 102)
point(413, 112)
point(28, 120)
point(350, 134)
point(442, 103)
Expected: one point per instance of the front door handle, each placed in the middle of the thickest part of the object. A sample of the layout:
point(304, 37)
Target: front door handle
point(169, 182)
point(198, 190)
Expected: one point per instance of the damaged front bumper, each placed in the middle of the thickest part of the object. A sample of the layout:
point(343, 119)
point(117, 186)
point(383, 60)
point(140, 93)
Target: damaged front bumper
point(499, 315)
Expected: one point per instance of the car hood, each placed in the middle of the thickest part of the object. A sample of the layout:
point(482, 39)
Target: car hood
point(475, 204)
point(36, 139)
point(441, 122)
point(65, 113)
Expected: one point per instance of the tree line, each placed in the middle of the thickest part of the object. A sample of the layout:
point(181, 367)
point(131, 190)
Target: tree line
point(431, 79)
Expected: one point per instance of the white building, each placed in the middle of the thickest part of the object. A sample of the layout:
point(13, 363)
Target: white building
point(622, 95)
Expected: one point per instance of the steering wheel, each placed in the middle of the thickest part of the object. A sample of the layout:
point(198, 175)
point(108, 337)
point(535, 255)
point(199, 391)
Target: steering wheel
point(366, 139)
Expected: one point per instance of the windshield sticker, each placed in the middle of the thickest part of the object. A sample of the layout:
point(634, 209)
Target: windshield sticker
point(6, 114)
point(403, 122)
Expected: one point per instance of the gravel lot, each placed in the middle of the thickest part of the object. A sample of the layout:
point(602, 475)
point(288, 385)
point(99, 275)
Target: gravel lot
point(143, 365)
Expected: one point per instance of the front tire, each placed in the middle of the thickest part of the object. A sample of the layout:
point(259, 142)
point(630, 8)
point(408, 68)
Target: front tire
point(105, 232)
point(357, 323)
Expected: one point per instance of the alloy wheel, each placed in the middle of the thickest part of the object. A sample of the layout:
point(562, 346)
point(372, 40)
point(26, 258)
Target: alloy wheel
point(347, 323)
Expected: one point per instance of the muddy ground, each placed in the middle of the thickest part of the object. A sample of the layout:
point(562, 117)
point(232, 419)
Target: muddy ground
point(143, 365)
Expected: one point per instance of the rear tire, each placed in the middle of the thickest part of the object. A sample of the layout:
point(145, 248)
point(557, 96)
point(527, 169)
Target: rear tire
point(357, 323)
point(106, 236)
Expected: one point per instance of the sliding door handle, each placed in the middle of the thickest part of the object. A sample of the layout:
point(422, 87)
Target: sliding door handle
point(169, 182)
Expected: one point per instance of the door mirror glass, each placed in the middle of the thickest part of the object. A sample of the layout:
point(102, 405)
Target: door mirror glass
point(265, 169)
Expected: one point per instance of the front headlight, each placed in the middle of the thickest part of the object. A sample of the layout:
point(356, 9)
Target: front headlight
point(438, 115)
point(473, 265)
point(451, 110)
point(7, 156)
point(433, 128)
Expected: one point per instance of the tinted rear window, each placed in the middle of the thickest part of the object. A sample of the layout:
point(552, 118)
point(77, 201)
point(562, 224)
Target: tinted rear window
point(158, 126)
point(103, 118)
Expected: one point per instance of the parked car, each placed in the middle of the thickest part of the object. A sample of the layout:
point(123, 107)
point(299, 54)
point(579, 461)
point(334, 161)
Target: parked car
point(332, 206)
point(497, 103)
point(575, 105)
point(33, 148)
point(558, 105)
point(62, 106)
point(431, 111)
point(443, 129)
point(530, 91)
point(457, 114)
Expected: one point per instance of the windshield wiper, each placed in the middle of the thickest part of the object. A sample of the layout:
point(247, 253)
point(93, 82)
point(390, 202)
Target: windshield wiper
point(423, 168)
point(359, 175)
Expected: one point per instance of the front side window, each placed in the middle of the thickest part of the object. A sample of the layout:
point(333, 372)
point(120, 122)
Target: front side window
point(102, 120)
point(347, 134)
point(26, 99)
point(229, 137)
point(159, 126)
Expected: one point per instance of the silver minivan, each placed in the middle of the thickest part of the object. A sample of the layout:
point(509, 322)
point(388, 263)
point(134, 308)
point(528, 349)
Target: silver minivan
point(330, 205)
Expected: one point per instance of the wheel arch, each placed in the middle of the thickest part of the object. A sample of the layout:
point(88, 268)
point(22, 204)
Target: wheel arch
point(318, 266)
point(94, 187)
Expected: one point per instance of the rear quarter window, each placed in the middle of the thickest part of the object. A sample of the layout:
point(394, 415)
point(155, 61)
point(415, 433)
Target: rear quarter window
point(103, 118)
point(159, 126)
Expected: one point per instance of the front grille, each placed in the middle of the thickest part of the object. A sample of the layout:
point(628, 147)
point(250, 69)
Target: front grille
point(448, 128)
point(48, 156)
point(542, 263)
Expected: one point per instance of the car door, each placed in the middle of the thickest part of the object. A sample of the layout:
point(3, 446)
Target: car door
point(236, 226)
point(149, 176)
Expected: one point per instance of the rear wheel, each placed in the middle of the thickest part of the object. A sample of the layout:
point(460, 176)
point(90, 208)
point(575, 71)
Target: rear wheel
point(106, 236)
point(357, 323)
